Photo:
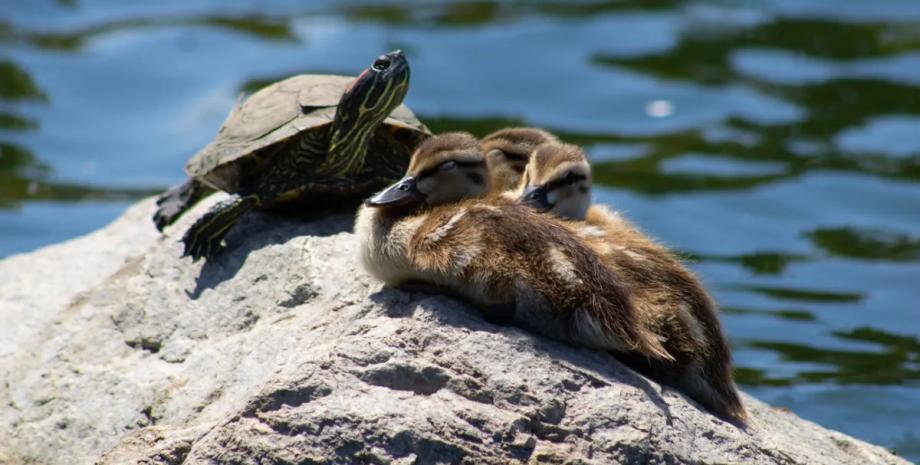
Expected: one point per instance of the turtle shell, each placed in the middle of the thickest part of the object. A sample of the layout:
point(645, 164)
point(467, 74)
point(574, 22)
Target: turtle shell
point(273, 115)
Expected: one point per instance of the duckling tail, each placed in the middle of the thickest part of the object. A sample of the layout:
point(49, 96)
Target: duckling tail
point(712, 386)
point(735, 411)
point(709, 384)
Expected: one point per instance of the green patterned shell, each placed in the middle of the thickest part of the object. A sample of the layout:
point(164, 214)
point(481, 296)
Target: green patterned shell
point(273, 115)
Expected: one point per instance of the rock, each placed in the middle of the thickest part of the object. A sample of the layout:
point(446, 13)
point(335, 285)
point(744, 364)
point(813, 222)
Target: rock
point(282, 350)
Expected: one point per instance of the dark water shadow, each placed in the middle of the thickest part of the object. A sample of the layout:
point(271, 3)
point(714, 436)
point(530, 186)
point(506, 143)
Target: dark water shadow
point(25, 178)
point(11, 121)
point(893, 361)
point(758, 263)
point(866, 243)
point(402, 304)
point(471, 13)
point(787, 314)
point(259, 229)
point(799, 294)
point(752, 377)
point(256, 83)
point(278, 29)
point(17, 85)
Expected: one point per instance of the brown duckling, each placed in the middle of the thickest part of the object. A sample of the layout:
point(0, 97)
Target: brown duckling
point(670, 300)
point(433, 227)
point(507, 152)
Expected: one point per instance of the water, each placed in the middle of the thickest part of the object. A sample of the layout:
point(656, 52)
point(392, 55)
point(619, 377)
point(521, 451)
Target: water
point(777, 143)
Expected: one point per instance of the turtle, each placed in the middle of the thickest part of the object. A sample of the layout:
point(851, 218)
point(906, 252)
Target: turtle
point(308, 142)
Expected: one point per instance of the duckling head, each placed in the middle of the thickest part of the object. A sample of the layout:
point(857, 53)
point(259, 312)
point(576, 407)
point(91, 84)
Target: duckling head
point(507, 152)
point(443, 169)
point(558, 180)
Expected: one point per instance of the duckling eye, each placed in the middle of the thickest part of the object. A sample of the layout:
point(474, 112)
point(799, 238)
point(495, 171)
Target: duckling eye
point(570, 178)
point(381, 63)
point(515, 156)
point(447, 166)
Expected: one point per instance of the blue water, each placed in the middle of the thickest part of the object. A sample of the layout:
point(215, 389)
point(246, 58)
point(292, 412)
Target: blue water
point(776, 143)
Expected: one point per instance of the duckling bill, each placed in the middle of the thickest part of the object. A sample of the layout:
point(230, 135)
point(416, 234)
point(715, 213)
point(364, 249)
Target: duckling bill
point(433, 227)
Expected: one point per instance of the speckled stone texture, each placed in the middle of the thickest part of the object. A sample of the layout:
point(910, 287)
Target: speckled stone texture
point(114, 350)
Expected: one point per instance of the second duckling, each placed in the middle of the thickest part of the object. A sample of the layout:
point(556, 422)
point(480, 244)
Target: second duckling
point(501, 256)
point(669, 299)
point(507, 152)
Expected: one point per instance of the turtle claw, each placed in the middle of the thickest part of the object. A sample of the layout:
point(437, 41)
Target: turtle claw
point(201, 248)
point(201, 243)
point(203, 239)
point(175, 201)
point(165, 215)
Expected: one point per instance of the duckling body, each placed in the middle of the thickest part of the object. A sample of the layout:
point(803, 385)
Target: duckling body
point(668, 298)
point(672, 303)
point(495, 253)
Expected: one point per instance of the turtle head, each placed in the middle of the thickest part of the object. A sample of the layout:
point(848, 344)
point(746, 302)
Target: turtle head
point(444, 169)
point(558, 180)
point(367, 101)
point(507, 152)
point(377, 91)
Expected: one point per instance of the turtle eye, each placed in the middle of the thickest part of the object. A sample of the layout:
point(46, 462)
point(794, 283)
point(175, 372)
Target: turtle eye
point(381, 63)
point(447, 166)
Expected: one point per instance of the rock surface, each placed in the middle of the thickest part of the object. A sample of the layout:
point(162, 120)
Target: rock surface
point(114, 350)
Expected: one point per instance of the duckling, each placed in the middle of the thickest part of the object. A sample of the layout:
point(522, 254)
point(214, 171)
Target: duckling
point(434, 227)
point(669, 299)
point(507, 152)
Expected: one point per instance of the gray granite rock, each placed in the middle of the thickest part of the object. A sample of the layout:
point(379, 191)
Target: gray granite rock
point(114, 350)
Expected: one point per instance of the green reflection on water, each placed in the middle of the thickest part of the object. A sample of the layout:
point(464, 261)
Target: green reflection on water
point(784, 314)
point(475, 13)
point(450, 14)
point(756, 377)
point(266, 28)
point(22, 176)
point(570, 9)
point(16, 84)
point(831, 106)
point(653, 182)
point(768, 263)
point(479, 126)
point(894, 363)
point(254, 84)
point(14, 158)
point(254, 25)
point(871, 244)
point(842, 103)
point(14, 122)
point(896, 360)
point(804, 295)
point(899, 342)
point(25, 178)
point(706, 58)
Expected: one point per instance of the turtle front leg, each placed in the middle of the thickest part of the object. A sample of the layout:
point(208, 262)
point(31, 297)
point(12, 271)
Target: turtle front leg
point(177, 200)
point(203, 239)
